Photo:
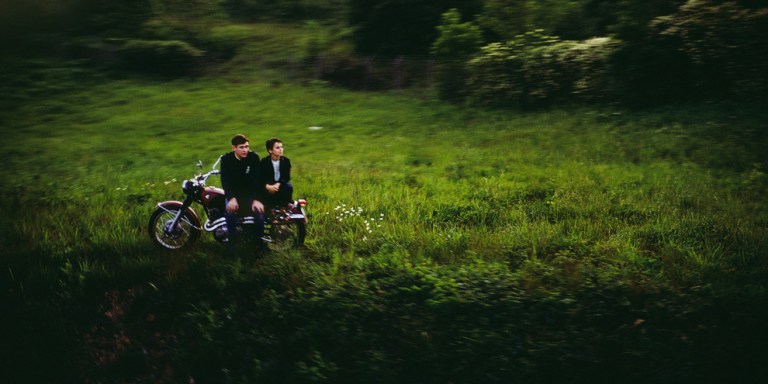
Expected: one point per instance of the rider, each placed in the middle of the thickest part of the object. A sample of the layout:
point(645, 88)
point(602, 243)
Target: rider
point(275, 174)
point(240, 180)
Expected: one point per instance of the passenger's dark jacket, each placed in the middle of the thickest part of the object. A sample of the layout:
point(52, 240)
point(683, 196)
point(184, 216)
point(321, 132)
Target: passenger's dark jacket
point(267, 171)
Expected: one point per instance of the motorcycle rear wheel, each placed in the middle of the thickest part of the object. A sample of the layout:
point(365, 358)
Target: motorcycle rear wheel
point(185, 233)
point(285, 236)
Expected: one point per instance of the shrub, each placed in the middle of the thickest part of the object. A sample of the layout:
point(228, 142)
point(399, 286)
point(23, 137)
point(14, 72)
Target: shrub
point(170, 57)
point(368, 73)
point(456, 43)
point(217, 41)
point(166, 28)
point(536, 69)
point(223, 42)
point(704, 49)
point(584, 63)
point(495, 76)
point(724, 42)
point(399, 27)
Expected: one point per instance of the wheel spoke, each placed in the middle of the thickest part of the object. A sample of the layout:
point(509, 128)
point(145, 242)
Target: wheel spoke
point(175, 238)
point(285, 236)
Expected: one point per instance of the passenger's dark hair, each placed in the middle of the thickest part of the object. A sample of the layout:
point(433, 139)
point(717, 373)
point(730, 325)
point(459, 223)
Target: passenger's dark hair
point(271, 143)
point(239, 139)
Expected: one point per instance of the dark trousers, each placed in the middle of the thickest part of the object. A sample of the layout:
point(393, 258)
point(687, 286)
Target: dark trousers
point(245, 210)
point(281, 198)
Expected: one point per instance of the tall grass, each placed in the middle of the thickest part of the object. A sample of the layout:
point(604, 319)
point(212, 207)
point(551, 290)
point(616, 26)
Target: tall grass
point(450, 184)
point(409, 199)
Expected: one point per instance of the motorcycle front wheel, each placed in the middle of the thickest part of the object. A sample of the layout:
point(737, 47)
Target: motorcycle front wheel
point(184, 234)
point(285, 236)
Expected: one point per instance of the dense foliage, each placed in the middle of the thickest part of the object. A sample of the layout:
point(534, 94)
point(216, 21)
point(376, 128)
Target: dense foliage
point(535, 70)
point(723, 44)
point(660, 51)
point(457, 42)
point(400, 27)
point(702, 50)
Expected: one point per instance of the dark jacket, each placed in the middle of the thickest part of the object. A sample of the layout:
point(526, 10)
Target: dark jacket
point(267, 171)
point(240, 178)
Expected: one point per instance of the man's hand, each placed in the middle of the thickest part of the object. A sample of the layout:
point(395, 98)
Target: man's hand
point(257, 206)
point(232, 206)
point(273, 188)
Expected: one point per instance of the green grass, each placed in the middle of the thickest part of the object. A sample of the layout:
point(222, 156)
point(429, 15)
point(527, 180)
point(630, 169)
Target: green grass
point(419, 211)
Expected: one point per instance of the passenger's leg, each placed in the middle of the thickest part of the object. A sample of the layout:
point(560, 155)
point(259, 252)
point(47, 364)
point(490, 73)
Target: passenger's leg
point(285, 194)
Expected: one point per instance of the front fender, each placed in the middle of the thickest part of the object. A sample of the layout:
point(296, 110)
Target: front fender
point(177, 205)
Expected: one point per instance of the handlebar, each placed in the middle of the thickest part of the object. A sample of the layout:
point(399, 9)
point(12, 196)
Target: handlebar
point(201, 179)
point(204, 177)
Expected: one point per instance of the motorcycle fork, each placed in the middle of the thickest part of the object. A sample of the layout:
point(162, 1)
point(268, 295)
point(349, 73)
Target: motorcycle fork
point(182, 210)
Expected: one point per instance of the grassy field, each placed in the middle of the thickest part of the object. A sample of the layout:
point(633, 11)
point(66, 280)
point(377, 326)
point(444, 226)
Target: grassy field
point(445, 243)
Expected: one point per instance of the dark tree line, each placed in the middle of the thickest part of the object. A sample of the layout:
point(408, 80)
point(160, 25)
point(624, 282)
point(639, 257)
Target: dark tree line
point(660, 50)
point(653, 51)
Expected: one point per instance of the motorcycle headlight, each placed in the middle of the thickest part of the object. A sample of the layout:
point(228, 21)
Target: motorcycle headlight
point(188, 186)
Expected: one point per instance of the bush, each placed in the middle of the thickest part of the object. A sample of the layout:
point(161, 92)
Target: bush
point(725, 44)
point(703, 50)
point(289, 10)
point(584, 65)
point(223, 42)
point(169, 57)
point(536, 69)
point(495, 76)
point(217, 41)
point(400, 27)
point(456, 43)
point(368, 73)
point(166, 28)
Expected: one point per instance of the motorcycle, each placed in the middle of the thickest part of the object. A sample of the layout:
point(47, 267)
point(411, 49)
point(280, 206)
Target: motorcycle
point(175, 225)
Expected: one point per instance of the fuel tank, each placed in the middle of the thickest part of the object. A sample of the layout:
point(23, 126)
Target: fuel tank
point(213, 197)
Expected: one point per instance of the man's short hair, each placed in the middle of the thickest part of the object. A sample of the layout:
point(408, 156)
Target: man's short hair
point(239, 139)
point(271, 143)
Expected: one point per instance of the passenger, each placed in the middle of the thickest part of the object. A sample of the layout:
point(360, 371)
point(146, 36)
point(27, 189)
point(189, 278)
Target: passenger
point(275, 173)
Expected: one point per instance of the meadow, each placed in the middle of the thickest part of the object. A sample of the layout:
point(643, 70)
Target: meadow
point(445, 243)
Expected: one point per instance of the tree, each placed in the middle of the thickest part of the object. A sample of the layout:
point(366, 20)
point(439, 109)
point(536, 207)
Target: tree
point(400, 27)
point(699, 49)
point(456, 43)
point(287, 9)
point(647, 68)
point(724, 42)
point(504, 19)
point(117, 18)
